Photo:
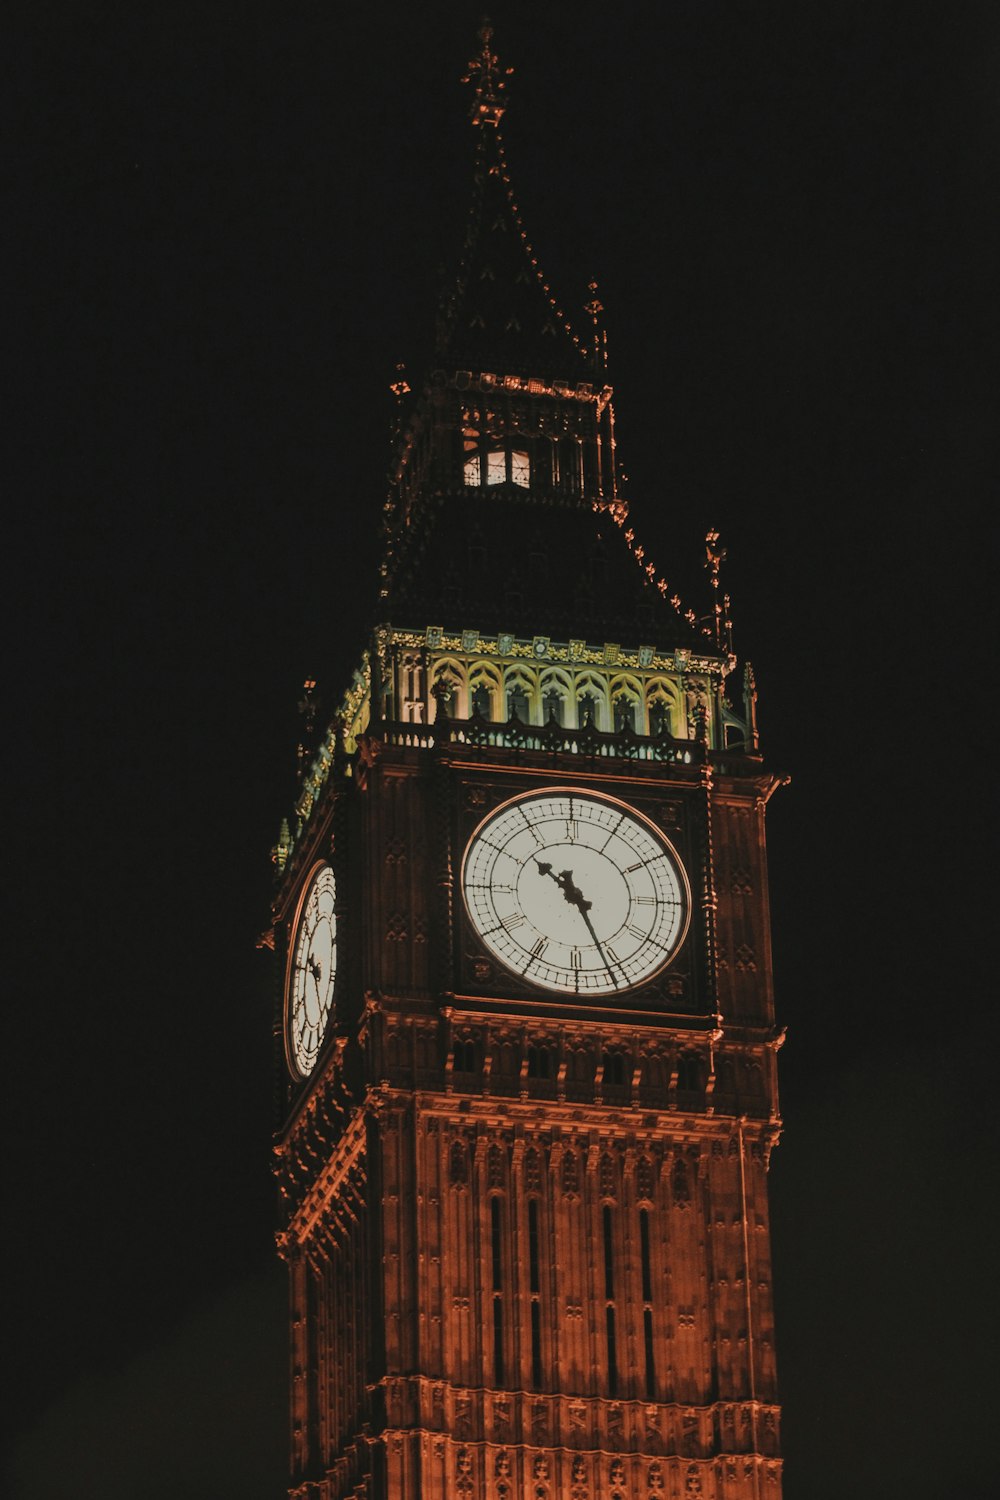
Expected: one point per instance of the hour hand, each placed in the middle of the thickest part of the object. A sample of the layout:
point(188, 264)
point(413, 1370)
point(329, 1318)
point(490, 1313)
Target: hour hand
point(573, 892)
point(564, 880)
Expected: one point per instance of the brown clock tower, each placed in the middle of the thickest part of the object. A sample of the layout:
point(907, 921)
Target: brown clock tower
point(526, 1028)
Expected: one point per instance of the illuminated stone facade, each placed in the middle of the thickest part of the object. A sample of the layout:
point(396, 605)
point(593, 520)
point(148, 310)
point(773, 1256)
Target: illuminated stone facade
point(527, 1232)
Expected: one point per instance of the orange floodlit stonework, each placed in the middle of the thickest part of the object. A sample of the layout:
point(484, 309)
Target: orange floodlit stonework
point(526, 1031)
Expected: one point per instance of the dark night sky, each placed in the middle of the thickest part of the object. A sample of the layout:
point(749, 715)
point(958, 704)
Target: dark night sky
point(228, 227)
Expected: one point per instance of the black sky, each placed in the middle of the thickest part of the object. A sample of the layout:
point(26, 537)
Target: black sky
point(227, 225)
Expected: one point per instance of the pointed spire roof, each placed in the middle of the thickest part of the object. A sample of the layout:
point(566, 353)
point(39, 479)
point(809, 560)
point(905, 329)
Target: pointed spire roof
point(549, 551)
point(500, 314)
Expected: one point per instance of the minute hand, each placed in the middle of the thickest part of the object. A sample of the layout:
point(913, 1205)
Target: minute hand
point(584, 909)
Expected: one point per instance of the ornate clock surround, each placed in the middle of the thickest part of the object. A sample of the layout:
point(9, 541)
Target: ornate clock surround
point(676, 989)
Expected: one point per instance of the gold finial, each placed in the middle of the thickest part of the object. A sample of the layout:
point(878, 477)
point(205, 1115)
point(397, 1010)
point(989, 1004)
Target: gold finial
point(400, 387)
point(488, 81)
point(595, 305)
point(727, 624)
point(714, 558)
point(307, 713)
point(599, 344)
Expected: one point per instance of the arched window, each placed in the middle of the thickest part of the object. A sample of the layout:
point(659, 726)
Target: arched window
point(465, 1056)
point(663, 710)
point(444, 693)
point(614, 1069)
point(626, 703)
point(553, 704)
point(556, 693)
point(588, 711)
point(659, 716)
point(539, 1062)
point(593, 707)
point(484, 690)
point(518, 703)
point(624, 713)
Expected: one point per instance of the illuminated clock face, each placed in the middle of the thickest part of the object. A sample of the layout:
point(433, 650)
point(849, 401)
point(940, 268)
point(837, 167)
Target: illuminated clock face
point(312, 973)
point(575, 892)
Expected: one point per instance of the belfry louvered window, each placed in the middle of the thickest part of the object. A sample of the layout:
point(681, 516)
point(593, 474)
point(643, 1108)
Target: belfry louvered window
point(496, 1257)
point(488, 461)
point(609, 1295)
point(647, 1311)
point(534, 1292)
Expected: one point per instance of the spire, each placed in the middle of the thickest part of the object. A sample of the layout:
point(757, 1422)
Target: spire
point(488, 81)
point(506, 471)
point(499, 314)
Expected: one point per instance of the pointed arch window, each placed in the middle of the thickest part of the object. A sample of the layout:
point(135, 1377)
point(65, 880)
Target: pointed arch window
point(464, 1056)
point(518, 703)
point(588, 711)
point(624, 713)
point(539, 1062)
point(659, 717)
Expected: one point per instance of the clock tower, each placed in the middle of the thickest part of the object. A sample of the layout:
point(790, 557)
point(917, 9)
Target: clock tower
point(526, 1032)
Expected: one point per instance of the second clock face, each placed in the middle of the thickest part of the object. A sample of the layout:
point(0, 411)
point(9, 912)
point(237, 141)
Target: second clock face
point(313, 972)
point(575, 892)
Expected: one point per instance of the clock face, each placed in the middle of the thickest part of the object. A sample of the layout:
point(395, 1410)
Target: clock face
point(575, 892)
point(312, 973)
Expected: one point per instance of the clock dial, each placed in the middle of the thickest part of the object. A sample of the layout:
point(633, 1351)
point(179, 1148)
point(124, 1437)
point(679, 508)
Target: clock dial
point(312, 973)
point(575, 892)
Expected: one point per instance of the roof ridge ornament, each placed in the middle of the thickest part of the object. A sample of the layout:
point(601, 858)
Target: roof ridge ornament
point(599, 337)
point(489, 81)
point(715, 556)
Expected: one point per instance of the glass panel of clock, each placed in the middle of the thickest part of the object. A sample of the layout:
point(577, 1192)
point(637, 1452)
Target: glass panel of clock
point(574, 892)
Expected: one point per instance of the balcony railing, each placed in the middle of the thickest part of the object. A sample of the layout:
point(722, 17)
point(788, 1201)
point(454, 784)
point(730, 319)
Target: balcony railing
point(594, 744)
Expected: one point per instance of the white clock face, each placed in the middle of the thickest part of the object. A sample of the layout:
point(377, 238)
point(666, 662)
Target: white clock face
point(312, 973)
point(575, 892)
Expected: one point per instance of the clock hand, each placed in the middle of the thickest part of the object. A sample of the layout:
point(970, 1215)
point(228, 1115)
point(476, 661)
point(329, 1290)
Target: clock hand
point(573, 894)
point(564, 880)
point(584, 908)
